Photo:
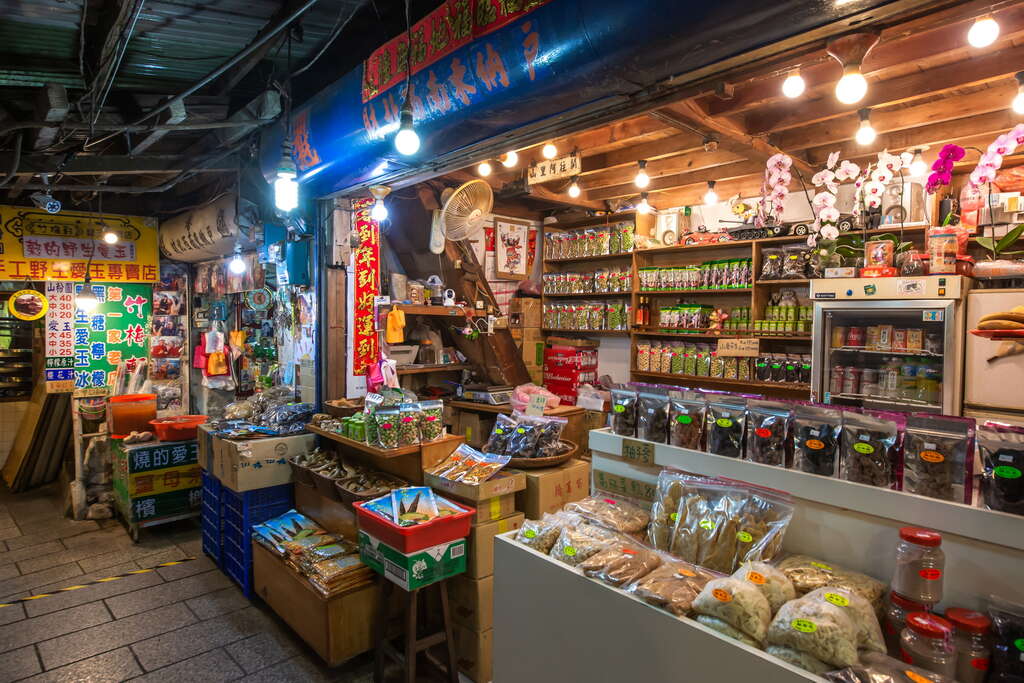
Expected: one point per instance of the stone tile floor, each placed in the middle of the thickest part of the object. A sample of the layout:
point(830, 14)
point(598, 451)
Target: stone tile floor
point(188, 622)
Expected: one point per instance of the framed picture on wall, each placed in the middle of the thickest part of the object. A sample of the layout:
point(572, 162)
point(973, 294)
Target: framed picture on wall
point(511, 248)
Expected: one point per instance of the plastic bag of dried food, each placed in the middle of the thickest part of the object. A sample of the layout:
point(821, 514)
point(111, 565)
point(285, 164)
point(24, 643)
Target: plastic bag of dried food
point(456, 465)
point(1007, 663)
point(1001, 448)
point(673, 487)
point(716, 624)
point(408, 424)
point(673, 586)
point(486, 465)
point(818, 628)
point(799, 659)
point(808, 574)
point(725, 420)
point(766, 516)
point(773, 584)
point(497, 442)
point(768, 437)
point(617, 515)
point(652, 416)
point(938, 457)
point(697, 517)
point(686, 422)
point(623, 415)
point(871, 448)
point(737, 603)
point(431, 420)
point(549, 434)
point(541, 534)
point(874, 667)
point(718, 534)
point(576, 544)
point(861, 613)
point(816, 437)
point(386, 420)
point(621, 563)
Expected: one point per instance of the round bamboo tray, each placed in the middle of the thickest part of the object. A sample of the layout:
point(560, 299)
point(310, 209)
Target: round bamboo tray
point(568, 450)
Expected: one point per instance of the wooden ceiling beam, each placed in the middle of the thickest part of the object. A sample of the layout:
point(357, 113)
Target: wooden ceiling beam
point(678, 180)
point(693, 195)
point(687, 163)
point(536, 192)
point(674, 145)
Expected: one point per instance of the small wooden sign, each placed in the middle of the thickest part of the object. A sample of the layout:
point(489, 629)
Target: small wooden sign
point(617, 485)
point(554, 169)
point(640, 452)
point(739, 347)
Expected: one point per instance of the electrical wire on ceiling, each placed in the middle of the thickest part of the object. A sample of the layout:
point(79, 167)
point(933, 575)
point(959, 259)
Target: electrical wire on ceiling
point(339, 26)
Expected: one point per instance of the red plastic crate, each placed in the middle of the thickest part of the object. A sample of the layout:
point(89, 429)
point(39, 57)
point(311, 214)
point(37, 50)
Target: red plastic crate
point(409, 539)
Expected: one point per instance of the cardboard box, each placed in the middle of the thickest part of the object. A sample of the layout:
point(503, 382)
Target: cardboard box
point(481, 544)
point(337, 628)
point(549, 489)
point(495, 508)
point(474, 427)
point(473, 652)
point(416, 569)
point(204, 437)
point(472, 602)
point(536, 374)
point(531, 342)
point(524, 313)
point(258, 463)
point(502, 483)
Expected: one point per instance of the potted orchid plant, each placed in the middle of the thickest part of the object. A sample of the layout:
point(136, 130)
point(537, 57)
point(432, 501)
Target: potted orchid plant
point(825, 230)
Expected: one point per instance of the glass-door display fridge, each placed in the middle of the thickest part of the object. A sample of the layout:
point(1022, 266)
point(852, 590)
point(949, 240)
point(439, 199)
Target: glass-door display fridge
point(889, 343)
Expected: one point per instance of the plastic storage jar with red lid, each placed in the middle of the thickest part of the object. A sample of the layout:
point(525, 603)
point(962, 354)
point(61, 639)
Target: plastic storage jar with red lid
point(897, 608)
point(927, 642)
point(920, 565)
point(971, 642)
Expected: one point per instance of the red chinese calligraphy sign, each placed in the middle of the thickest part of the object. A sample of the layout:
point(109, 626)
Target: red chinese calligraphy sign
point(367, 285)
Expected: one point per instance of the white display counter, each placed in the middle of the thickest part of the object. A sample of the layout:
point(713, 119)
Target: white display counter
point(553, 624)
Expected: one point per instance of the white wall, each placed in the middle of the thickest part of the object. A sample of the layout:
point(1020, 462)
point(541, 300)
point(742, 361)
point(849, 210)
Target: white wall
point(613, 357)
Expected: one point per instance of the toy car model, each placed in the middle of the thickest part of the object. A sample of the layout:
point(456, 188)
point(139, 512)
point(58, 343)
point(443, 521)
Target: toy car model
point(704, 237)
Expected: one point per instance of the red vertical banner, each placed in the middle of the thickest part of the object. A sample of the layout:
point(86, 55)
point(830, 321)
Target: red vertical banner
point(367, 285)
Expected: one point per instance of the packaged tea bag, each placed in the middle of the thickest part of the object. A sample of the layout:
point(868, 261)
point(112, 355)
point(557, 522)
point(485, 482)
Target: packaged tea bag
point(431, 423)
point(386, 420)
point(1002, 457)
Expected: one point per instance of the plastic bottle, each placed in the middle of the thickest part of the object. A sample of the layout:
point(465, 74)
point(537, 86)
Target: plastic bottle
point(927, 642)
point(908, 380)
point(897, 607)
point(920, 565)
point(891, 383)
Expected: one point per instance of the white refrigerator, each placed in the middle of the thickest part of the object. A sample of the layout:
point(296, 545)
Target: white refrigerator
point(993, 370)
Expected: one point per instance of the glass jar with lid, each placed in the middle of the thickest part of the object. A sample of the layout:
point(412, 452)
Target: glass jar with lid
point(920, 565)
point(927, 642)
point(897, 607)
point(971, 642)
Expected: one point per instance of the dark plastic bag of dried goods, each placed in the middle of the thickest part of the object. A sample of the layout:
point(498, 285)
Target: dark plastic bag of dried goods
point(1007, 662)
point(623, 415)
point(768, 424)
point(549, 433)
point(523, 441)
point(874, 667)
point(652, 416)
point(725, 421)
point(871, 448)
point(816, 438)
point(1001, 448)
point(938, 457)
point(498, 441)
point(686, 422)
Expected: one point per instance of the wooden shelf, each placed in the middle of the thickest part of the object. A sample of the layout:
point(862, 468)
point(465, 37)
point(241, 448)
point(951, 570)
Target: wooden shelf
point(506, 408)
point(687, 334)
point(669, 292)
point(779, 386)
point(793, 281)
point(622, 333)
point(433, 368)
point(378, 452)
point(443, 311)
point(593, 221)
point(590, 295)
point(577, 259)
point(690, 247)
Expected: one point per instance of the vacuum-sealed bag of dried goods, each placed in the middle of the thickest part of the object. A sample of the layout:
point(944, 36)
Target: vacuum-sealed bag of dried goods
point(621, 563)
point(577, 543)
point(808, 574)
point(1001, 448)
point(387, 420)
point(726, 418)
point(624, 409)
point(548, 432)
point(723, 627)
point(874, 667)
point(818, 628)
point(486, 465)
point(541, 534)
point(652, 416)
point(817, 431)
point(672, 586)
point(431, 420)
point(1007, 662)
point(617, 515)
point(497, 442)
point(673, 488)
point(861, 613)
point(871, 448)
point(737, 603)
point(686, 422)
point(938, 457)
point(461, 461)
point(408, 424)
point(768, 437)
point(773, 583)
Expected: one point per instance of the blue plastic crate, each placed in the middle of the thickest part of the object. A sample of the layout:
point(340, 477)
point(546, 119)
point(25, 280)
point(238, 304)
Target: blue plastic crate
point(239, 569)
point(239, 512)
point(211, 546)
point(211, 491)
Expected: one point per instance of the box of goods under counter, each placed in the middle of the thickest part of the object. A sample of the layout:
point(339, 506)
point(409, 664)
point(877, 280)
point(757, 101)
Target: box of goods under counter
point(566, 367)
point(156, 479)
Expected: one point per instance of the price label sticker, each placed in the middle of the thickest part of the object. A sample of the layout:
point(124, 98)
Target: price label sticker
point(837, 599)
point(721, 595)
point(530, 533)
point(744, 537)
point(756, 577)
point(804, 625)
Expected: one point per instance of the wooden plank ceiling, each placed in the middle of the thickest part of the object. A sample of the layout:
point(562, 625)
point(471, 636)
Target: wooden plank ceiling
point(926, 87)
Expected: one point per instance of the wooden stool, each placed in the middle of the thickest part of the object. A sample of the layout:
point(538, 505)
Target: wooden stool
point(414, 645)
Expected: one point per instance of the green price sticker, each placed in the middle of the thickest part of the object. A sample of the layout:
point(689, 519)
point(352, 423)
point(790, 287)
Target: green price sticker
point(520, 431)
point(744, 537)
point(723, 422)
point(619, 409)
point(1006, 472)
point(674, 516)
point(499, 430)
point(570, 551)
point(865, 448)
point(1019, 644)
point(530, 533)
point(837, 599)
point(819, 565)
point(804, 625)
point(684, 419)
point(707, 524)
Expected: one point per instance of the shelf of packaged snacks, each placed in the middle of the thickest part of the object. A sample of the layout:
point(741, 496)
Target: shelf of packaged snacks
point(405, 462)
point(601, 257)
point(594, 221)
point(668, 292)
point(446, 311)
point(604, 332)
point(589, 295)
point(861, 349)
point(671, 333)
point(791, 281)
point(998, 528)
point(739, 383)
point(363, 447)
point(921, 227)
point(433, 368)
point(687, 247)
point(12, 353)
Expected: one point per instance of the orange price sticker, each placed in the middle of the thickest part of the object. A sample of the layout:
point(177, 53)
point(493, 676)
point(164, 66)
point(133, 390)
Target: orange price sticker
point(722, 595)
point(756, 577)
point(932, 456)
point(814, 444)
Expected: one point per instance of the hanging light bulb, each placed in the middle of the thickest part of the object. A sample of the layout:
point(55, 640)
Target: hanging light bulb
point(484, 169)
point(574, 188)
point(918, 167)
point(641, 179)
point(852, 87)
point(1018, 101)
point(86, 299)
point(286, 187)
point(379, 212)
point(237, 264)
point(109, 236)
point(711, 197)
point(510, 159)
point(644, 206)
point(794, 85)
point(407, 142)
point(549, 151)
point(866, 133)
point(984, 32)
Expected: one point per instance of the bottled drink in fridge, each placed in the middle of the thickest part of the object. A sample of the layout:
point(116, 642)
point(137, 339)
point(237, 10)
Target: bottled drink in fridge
point(890, 378)
point(908, 380)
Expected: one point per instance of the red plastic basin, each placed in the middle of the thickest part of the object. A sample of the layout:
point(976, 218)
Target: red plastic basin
point(409, 539)
point(178, 428)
